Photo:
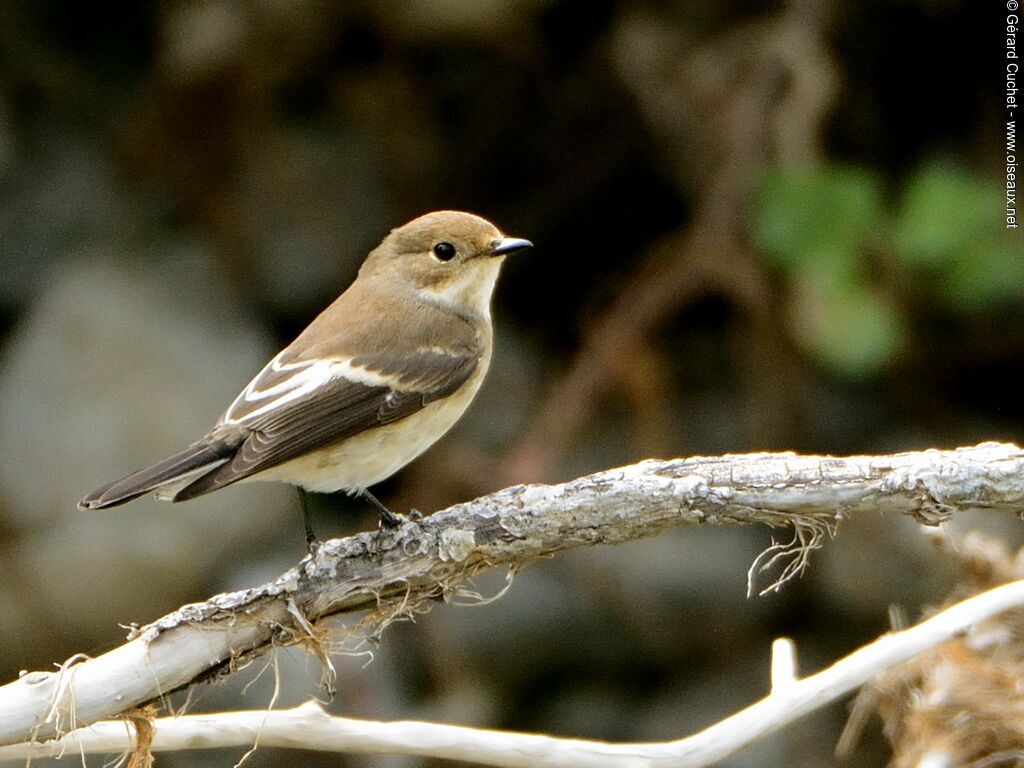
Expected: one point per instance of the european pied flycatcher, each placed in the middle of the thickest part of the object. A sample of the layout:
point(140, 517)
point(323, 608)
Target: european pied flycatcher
point(368, 386)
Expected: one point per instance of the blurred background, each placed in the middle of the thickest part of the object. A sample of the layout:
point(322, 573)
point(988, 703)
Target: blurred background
point(759, 227)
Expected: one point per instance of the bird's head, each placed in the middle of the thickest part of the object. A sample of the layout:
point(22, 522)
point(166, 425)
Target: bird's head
point(447, 257)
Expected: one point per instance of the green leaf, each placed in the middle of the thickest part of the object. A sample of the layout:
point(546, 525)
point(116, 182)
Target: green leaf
point(945, 213)
point(951, 225)
point(991, 273)
point(845, 324)
point(805, 216)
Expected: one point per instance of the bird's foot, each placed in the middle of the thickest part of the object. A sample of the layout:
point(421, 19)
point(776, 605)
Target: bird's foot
point(313, 544)
point(388, 519)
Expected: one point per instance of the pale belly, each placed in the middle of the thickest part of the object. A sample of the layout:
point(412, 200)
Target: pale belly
point(376, 454)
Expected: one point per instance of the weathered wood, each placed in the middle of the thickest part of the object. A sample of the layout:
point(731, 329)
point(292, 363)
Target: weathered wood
point(392, 572)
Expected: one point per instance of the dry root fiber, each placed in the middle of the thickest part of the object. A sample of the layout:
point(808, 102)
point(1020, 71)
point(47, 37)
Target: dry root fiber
point(962, 705)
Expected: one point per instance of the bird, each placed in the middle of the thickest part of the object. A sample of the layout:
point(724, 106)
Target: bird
point(369, 385)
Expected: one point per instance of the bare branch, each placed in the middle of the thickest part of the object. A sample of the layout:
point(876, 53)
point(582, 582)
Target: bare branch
point(402, 571)
point(309, 727)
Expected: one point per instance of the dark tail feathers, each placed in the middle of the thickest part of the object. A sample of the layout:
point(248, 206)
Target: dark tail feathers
point(207, 453)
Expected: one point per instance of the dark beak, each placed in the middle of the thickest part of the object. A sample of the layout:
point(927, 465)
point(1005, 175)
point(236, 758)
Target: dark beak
point(507, 245)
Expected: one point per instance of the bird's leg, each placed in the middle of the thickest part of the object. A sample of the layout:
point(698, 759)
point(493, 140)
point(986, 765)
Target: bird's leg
point(312, 543)
point(388, 519)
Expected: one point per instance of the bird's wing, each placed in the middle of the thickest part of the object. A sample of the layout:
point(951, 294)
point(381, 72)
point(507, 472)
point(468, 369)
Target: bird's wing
point(296, 406)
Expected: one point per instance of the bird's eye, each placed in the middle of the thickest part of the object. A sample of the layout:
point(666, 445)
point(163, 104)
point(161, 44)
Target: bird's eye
point(444, 251)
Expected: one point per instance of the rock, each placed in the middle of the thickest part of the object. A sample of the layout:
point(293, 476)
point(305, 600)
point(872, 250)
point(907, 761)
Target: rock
point(118, 363)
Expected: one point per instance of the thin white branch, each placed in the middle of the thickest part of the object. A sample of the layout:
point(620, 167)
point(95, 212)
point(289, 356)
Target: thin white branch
point(309, 727)
point(406, 569)
point(783, 665)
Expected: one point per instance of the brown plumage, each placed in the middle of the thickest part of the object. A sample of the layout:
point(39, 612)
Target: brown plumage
point(372, 382)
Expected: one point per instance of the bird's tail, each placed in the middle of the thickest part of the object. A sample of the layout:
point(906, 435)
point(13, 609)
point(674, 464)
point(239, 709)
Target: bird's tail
point(202, 456)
